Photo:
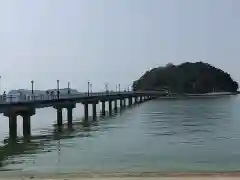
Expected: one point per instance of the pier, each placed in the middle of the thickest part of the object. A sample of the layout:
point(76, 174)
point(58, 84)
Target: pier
point(27, 107)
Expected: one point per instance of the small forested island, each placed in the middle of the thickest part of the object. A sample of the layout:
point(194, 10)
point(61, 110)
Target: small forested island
point(192, 78)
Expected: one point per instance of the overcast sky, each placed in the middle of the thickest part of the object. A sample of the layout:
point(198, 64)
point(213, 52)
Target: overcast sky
point(112, 41)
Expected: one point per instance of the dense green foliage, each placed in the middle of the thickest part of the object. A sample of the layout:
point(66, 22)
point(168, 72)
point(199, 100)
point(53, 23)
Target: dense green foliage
point(187, 78)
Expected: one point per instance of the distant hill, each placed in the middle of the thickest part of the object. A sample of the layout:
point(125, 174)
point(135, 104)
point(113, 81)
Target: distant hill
point(188, 77)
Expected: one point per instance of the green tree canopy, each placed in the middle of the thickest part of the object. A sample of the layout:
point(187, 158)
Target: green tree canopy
point(188, 77)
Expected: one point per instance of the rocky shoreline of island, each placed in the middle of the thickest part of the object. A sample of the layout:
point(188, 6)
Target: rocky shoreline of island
point(204, 95)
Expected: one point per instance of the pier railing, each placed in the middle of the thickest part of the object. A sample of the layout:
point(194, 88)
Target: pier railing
point(22, 98)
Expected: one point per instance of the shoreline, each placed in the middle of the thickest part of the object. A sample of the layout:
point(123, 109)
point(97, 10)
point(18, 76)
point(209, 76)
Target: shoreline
point(200, 96)
point(123, 175)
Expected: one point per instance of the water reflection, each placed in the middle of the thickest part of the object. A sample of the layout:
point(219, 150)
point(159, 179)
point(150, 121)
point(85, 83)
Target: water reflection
point(157, 135)
point(191, 122)
point(14, 147)
point(50, 139)
point(186, 117)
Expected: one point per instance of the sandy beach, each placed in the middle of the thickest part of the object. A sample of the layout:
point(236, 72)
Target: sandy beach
point(127, 176)
point(135, 178)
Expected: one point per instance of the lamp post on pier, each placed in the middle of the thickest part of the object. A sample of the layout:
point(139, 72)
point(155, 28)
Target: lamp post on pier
point(119, 87)
point(68, 87)
point(32, 82)
point(106, 87)
point(91, 87)
point(58, 93)
point(88, 88)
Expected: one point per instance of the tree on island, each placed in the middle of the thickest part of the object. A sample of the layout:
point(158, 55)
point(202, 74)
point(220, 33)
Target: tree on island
point(188, 77)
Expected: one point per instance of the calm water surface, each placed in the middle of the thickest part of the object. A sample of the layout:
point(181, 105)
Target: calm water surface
point(159, 135)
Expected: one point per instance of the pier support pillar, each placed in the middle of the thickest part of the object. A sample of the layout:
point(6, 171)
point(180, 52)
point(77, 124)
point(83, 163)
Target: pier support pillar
point(130, 101)
point(124, 102)
point(110, 107)
point(13, 126)
point(136, 100)
point(94, 109)
point(70, 115)
point(103, 108)
point(26, 125)
point(12, 114)
point(140, 99)
point(86, 111)
point(121, 103)
point(115, 104)
point(59, 116)
point(69, 107)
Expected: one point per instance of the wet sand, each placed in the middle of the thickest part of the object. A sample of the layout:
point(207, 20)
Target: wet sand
point(135, 178)
point(127, 176)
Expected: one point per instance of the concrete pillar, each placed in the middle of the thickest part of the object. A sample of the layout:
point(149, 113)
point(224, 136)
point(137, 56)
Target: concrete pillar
point(130, 101)
point(110, 106)
point(121, 103)
point(26, 125)
point(13, 126)
point(124, 102)
point(136, 100)
point(94, 109)
point(59, 116)
point(103, 108)
point(86, 111)
point(115, 104)
point(70, 115)
point(141, 99)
